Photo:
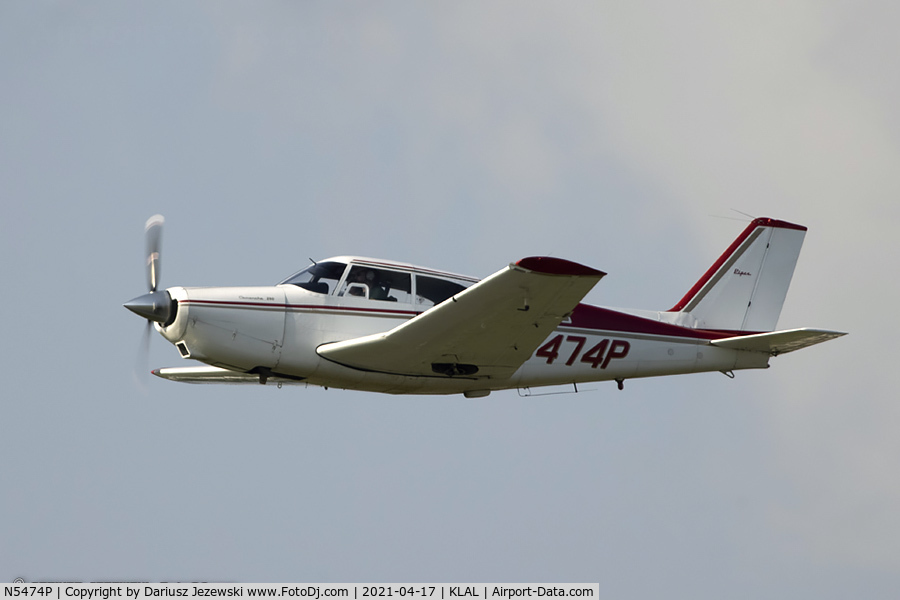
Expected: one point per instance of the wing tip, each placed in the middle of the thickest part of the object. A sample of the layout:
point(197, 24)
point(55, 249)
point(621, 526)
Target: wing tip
point(549, 265)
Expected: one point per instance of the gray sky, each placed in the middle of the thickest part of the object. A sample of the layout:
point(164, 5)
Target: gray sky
point(460, 136)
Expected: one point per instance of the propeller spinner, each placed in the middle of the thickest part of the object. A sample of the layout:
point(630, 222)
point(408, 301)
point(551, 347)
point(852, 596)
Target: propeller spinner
point(155, 306)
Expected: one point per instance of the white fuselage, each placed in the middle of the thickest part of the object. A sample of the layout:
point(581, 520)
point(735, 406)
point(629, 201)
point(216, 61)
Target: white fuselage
point(277, 329)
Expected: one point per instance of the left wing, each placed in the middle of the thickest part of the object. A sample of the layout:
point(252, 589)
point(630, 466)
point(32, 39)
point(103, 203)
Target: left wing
point(488, 330)
point(217, 375)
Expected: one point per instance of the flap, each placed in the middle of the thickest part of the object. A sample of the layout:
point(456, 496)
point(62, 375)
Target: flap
point(778, 342)
point(487, 330)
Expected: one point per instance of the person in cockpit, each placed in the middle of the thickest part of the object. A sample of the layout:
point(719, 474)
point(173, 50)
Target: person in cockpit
point(366, 277)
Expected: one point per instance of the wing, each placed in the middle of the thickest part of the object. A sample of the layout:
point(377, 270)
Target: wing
point(217, 375)
point(778, 342)
point(488, 330)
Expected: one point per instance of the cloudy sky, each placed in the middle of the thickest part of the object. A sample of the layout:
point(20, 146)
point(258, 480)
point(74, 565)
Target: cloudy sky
point(461, 136)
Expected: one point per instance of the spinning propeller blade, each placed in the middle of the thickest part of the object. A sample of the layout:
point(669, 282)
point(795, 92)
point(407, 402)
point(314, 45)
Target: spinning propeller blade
point(154, 306)
point(142, 362)
point(153, 235)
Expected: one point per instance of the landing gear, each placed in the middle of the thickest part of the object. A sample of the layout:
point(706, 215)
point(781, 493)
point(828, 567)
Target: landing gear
point(620, 383)
point(264, 374)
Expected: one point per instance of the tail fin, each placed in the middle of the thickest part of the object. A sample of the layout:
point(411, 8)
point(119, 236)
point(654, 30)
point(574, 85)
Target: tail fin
point(745, 289)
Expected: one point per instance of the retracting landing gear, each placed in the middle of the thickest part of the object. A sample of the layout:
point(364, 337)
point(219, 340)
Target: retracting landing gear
point(620, 383)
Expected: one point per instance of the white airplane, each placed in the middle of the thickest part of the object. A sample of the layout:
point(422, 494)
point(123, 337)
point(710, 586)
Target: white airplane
point(365, 324)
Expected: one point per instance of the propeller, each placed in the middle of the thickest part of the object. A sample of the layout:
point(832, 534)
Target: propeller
point(155, 305)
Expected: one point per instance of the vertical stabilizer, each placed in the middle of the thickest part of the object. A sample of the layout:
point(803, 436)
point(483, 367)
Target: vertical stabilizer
point(745, 288)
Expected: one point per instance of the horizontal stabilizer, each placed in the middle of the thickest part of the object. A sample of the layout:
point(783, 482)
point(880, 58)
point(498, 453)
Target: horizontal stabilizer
point(778, 342)
point(217, 375)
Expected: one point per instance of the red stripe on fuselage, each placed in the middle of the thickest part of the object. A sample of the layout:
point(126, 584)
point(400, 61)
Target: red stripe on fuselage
point(289, 307)
point(586, 316)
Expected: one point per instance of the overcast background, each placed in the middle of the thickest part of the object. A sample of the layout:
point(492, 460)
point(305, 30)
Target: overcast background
point(461, 136)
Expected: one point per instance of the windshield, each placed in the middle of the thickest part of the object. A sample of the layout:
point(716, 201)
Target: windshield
point(320, 277)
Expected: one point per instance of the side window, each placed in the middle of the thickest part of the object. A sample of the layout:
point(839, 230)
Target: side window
point(378, 284)
point(432, 290)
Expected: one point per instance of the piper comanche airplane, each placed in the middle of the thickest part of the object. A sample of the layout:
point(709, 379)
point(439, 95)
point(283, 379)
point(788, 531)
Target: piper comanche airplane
point(365, 324)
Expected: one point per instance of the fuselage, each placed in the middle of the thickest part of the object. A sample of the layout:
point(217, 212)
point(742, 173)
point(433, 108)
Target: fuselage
point(277, 330)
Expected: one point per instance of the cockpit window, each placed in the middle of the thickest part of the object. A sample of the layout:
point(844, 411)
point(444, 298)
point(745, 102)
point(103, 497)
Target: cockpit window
point(320, 278)
point(432, 290)
point(378, 284)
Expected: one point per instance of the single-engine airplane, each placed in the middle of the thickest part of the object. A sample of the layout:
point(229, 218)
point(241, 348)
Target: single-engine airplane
point(367, 324)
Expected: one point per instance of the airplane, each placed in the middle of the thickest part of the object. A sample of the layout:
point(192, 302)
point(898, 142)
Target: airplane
point(367, 324)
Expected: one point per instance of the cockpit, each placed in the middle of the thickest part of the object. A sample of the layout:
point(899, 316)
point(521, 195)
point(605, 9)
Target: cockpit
point(376, 280)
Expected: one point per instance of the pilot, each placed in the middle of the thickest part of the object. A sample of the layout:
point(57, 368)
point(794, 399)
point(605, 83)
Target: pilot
point(367, 277)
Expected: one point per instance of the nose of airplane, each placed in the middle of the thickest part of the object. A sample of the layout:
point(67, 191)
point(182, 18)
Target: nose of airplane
point(155, 306)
